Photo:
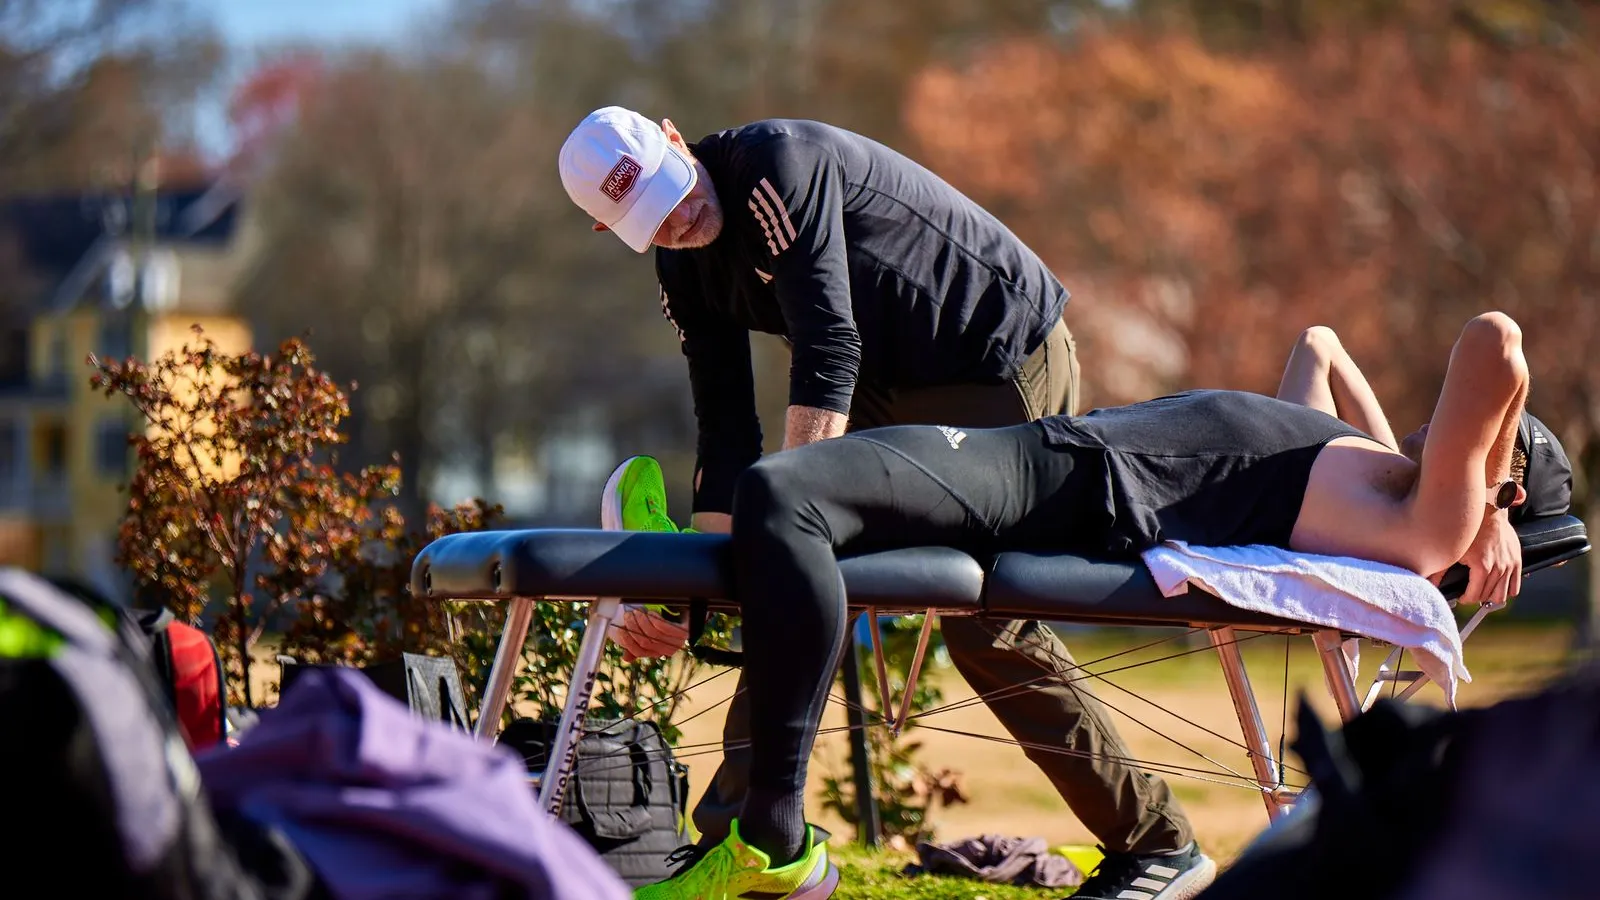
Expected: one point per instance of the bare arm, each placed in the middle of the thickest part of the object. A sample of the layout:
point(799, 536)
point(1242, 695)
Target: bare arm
point(712, 523)
point(1321, 375)
point(1375, 504)
point(1470, 439)
point(803, 425)
point(807, 425)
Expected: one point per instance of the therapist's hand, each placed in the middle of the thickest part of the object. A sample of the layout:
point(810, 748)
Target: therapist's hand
point(643, 633)
point(711, 523)
point(1494, 562)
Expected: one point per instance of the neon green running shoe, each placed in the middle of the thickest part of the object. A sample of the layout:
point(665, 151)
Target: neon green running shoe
point(734, 869)
point(635, 498)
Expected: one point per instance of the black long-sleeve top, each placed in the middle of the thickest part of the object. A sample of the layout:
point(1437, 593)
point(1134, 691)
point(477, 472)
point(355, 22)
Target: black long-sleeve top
point(872, 267)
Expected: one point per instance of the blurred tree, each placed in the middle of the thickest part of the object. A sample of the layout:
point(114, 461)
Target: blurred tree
point(1247, 24)
point(89, 89)
point(858, 59)
point(1103, 156)
point(266, 104)
point(93, 96)
point(378, 220)
point(412, 219)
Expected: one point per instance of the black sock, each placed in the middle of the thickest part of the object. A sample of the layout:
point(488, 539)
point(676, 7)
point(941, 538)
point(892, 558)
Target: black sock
point(774, 822)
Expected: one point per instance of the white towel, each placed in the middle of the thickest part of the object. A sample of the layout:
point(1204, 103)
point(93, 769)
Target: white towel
point(1375, 600)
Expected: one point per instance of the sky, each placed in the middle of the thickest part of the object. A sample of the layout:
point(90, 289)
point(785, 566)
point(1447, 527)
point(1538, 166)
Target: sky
point(253, 21)
point(249, 23)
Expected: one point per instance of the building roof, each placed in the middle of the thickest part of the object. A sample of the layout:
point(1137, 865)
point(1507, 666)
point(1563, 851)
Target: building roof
point(57, 232)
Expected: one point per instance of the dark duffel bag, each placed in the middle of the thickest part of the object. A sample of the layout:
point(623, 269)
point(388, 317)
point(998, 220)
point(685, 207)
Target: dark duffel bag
point(628, 796)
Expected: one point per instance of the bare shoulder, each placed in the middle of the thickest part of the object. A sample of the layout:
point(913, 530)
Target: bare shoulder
point(1355, 502)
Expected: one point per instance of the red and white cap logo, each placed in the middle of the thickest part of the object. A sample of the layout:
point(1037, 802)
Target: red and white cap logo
point(620, 180)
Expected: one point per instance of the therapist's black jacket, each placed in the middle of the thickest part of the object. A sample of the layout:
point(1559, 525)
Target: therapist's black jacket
point(875, 270)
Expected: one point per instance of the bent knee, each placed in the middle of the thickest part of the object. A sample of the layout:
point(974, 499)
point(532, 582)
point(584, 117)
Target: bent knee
point(1321, 340)
point(1493, 342)
point(1492, 334)
point(1316, 351)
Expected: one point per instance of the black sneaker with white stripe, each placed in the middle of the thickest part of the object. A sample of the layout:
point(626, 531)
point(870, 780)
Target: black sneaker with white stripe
point(1164, 876)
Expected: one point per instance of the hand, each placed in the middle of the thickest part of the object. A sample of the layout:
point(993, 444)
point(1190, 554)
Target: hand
point(643, 633)
point(1494, 563)
point(711, 523)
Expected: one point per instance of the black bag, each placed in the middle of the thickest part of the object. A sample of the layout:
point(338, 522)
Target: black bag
point(186, 661)
point(1414, 802)
point(101, 773)
point(628, 797)
point(429, 685)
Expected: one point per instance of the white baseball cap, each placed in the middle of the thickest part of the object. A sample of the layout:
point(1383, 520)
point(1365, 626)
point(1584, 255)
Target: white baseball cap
point(618, 167)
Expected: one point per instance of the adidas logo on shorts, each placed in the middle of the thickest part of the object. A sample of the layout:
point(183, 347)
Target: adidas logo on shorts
point(953, 436)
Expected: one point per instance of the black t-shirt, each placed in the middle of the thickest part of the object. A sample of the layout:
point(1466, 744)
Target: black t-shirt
point(872, 267)
point(1213, 468)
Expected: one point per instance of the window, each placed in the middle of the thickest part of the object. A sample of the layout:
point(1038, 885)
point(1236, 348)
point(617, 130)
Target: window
point(53, 441)
point(57, 555)
point(116, 338)
point(111, 447)
point(14, 356)
point(10, 460)
point(13, 464)
point(58, 353)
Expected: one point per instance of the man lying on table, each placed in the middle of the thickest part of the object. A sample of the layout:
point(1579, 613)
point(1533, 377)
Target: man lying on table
point(1212, 468)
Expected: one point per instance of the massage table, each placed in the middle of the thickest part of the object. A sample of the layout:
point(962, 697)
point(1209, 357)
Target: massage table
point(594, 566)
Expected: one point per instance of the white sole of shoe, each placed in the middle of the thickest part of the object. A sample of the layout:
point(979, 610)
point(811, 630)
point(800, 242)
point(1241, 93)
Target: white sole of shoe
point(1189, 885)
point(822, 889)
point(611, 499)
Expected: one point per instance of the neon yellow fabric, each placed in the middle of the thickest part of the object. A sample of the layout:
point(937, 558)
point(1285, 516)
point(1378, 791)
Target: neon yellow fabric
point(23, 638)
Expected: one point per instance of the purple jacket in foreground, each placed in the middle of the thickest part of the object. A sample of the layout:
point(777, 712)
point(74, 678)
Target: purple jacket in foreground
point(385, 804)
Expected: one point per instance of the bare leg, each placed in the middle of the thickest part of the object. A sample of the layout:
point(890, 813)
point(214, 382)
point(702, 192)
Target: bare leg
point(1321, 375)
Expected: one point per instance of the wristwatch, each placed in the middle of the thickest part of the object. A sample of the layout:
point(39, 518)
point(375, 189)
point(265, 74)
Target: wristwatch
point(1502, 495)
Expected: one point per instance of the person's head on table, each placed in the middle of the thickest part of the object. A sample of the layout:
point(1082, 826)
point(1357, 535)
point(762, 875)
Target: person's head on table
point(1539, 465)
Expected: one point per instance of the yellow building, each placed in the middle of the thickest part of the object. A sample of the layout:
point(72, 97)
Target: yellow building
point(64, 454)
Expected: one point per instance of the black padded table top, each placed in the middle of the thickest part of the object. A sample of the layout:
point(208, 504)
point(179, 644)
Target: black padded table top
point(583, 563)
point(1067, 588)
point(667, 567)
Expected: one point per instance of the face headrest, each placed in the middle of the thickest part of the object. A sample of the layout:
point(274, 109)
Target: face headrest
point(1549, 477)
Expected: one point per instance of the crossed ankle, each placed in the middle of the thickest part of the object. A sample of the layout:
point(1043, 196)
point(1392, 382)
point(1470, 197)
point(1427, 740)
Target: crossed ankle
point(774, 823)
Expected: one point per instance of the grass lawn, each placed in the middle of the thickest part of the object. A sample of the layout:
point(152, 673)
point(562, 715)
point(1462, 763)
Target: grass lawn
point(867, 875)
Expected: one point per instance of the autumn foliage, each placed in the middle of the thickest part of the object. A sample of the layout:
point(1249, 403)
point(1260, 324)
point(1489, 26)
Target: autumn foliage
point(373, 616)
point(237, 498)
point(237, 495)
point(1204, 206)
